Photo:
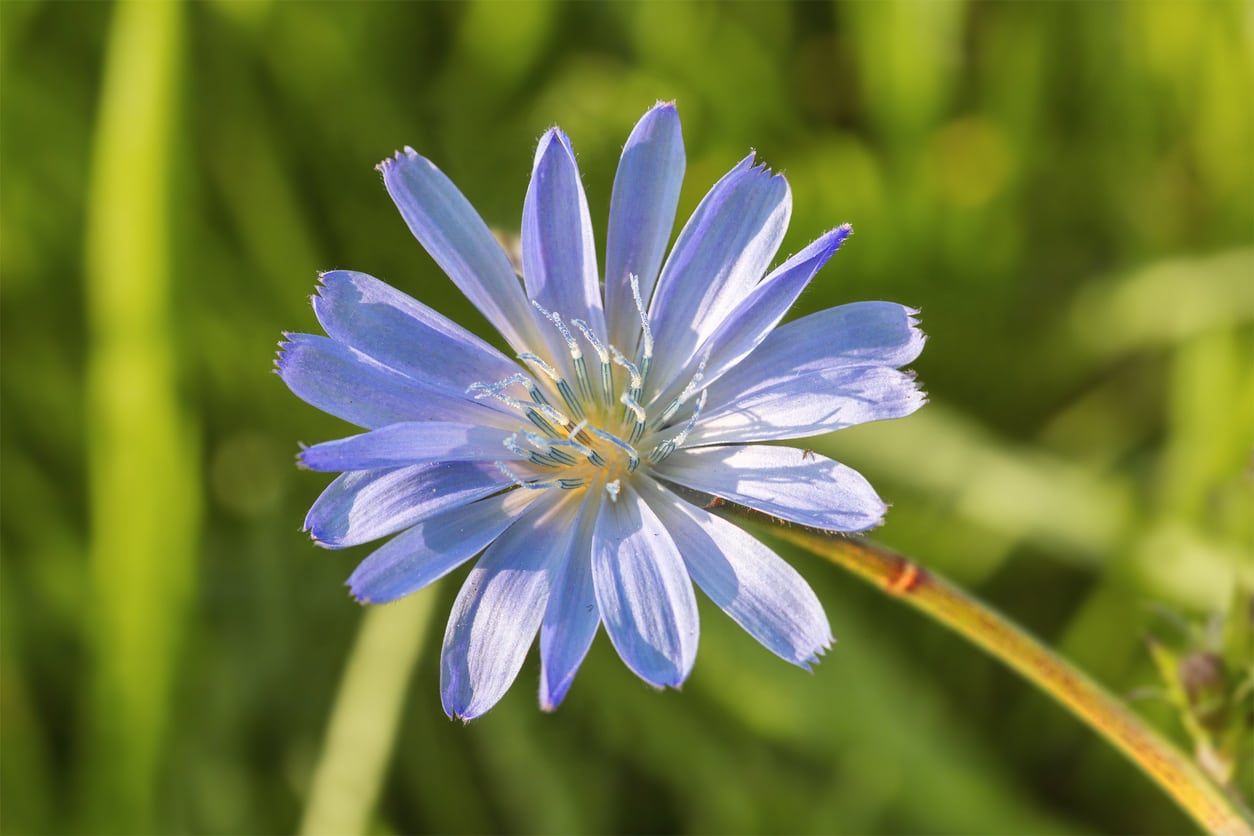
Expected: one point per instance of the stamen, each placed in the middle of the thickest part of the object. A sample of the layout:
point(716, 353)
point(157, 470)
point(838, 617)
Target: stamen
point(534, 485)
point(541, 364)
point(562, 456)
point(633, 458)
point(590, 454)
point(670, 410)
point(669, 446)
point(633, 406)
point(551, 414)
point(548, 449)
point(581, 368)
point(563, 387)
point(596, 344)
point(556, 319)
point(639, 416)
point(635, 386)
point(517, 449)
point(637, 380)
point(692, 419)
point(537, 441)
point(646, 333)
point(533, 412)
point(568, 395)
point(691, 388)
point(687, 393)
point(612, 488)
point(607, 383)
point(581, 375)
point(496, 390)
point(522, 380)
point(545, 426)
point(493, 390)
point(518, 377)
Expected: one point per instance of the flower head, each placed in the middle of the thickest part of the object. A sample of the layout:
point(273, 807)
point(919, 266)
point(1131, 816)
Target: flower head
point(573, 465)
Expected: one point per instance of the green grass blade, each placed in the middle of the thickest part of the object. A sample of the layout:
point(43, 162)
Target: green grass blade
point(142, 459)
point(363, 724)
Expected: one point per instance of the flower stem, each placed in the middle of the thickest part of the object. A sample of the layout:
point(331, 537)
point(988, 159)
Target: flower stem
point(365, 717)
point(976, 621)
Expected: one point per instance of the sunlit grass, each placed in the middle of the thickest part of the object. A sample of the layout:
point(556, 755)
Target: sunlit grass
point(143, 462)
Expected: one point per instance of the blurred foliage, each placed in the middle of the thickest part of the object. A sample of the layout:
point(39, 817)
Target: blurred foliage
point(1065, 190)
point(1208, 673)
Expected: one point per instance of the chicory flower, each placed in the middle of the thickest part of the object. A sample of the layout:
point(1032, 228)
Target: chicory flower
point(578, 467)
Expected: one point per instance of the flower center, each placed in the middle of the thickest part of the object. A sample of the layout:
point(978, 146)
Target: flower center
point(587, 425)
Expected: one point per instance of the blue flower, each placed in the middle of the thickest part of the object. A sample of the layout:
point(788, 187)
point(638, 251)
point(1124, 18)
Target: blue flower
point(574, 466)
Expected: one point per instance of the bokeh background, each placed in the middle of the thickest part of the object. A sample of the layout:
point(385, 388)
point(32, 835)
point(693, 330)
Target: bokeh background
point(1066, 190)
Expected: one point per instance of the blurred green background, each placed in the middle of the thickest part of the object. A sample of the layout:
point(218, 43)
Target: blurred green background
point(1066, 190)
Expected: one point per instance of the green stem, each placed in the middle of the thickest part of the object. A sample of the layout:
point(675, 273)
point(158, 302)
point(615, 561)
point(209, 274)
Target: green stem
point(366, 715)
point(974, 620)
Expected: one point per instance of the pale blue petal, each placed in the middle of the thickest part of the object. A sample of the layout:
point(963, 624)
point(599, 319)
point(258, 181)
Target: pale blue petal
point(808, 403)
point(571, 618)
point(450, 229)
point(434, 547)
point(642, 214)
point(361, 506)
point(410, 443)
point(721, 254)
point(344, 382)
point(788, 484)
point(643, 591)
point(499, 609)
point(404, 334)
point(752, 584)
point(754, 318)
point(558, 250)
point(823, 372)
point(858, 334)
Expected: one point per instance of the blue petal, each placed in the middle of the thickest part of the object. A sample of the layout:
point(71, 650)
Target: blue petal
point(811, 402)
point(858, 334)
point(450, 229)
point(752, 584)
point(347, 384)
point(642, 214)
point(559, 253)
point(435, 547)
point(365, 505)
point(410, 443)
point(785, 483)
point(404, 334)
point(643, 592)
point(721, 254)
point(572, 618)
point(754, 318)
point(499, 609)
point(826, 371)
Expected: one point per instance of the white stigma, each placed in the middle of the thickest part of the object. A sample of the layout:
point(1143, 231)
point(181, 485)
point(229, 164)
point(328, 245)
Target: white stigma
point(556, 319)
point(633, 372)
point(541, 364)
point(591, 431)
point(646, 333)
point(669, 446)
point(592, 339)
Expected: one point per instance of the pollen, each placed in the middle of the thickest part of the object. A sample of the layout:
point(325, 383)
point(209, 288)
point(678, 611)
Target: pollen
point(603, 432)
